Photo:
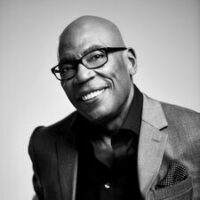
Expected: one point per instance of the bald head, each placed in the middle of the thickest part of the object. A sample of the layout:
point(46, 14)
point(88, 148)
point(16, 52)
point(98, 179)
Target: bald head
point(90, 30)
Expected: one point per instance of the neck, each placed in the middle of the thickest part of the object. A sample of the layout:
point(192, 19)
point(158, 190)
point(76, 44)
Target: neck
point(115, 123)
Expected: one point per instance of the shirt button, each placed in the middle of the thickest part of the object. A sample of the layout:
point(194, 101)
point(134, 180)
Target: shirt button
point(107, 185)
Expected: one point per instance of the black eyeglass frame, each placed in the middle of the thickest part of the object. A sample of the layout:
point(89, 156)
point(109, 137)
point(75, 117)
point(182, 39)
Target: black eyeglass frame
point(107, 50)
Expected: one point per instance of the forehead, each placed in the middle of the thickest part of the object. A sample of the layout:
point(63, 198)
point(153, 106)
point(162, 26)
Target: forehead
point(78, 38)
point(77, 42)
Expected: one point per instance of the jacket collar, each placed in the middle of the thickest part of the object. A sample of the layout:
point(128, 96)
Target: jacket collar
point(67, 159)
point(152, 142)
point(153, 113)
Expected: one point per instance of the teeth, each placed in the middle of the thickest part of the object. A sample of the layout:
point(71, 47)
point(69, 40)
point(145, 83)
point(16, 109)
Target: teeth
point(92, 95)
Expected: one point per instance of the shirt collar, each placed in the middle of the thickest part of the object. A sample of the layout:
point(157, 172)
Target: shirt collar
point(133, 119)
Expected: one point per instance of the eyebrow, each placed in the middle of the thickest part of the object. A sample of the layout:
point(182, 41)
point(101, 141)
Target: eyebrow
point(91, 48)
point(85, 51)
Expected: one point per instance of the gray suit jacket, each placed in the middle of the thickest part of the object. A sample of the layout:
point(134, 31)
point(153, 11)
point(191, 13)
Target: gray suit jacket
point(169, 134)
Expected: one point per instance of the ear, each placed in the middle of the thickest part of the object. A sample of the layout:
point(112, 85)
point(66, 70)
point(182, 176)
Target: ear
point(132, 61)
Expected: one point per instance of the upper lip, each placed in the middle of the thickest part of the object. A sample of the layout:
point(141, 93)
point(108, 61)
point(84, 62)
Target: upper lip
point(88, 91)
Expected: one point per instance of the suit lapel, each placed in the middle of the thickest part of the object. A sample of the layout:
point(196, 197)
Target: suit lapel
point(152, 143)
point(67, 166)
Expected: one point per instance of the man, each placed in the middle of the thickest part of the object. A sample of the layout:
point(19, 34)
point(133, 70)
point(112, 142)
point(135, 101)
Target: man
point(119, 144)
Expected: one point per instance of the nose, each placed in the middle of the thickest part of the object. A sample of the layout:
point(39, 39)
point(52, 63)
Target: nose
point(83, 74)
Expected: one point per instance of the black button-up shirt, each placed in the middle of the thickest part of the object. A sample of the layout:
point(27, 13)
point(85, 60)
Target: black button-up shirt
point(119, 181)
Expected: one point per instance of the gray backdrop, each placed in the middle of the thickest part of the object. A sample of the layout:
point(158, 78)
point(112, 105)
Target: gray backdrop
point(164, 34)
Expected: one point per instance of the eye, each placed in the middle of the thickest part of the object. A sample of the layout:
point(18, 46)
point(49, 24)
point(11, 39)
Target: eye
point(95, 56)
point(66, 68)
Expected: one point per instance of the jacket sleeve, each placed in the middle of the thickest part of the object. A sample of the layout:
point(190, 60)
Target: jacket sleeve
point(36, 178)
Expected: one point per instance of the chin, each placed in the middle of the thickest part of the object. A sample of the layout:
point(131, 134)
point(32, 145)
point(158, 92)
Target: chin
point(98, 116)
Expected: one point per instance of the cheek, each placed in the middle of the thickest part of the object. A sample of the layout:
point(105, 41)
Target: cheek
point(67, 87)
point(119, 75)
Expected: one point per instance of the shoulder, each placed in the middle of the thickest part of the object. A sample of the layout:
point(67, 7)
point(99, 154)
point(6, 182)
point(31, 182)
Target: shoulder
point(172, 110)
point(181, 114)
point(55, 129)
point(175, 115)
point(46, 136)
point(183, 123)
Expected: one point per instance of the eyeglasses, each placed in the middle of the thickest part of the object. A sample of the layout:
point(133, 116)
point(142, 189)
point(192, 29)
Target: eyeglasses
point(92, 60)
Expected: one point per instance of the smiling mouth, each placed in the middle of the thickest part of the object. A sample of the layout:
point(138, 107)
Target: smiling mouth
point(92, 95)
